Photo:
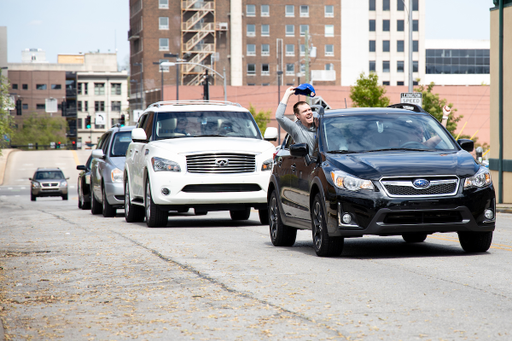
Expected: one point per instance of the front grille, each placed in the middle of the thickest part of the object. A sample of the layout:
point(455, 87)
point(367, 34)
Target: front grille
point(430, 217)
point(221, 163)
point(221, 188)
point(402, 187)
point(50, 184)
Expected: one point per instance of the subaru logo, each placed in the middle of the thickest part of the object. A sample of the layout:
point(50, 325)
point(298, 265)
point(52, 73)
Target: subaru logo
point(421, 183)
point(221, 162)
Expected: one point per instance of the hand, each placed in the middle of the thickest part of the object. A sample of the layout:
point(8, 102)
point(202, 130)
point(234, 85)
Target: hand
point(290, 91)
point(446, 111)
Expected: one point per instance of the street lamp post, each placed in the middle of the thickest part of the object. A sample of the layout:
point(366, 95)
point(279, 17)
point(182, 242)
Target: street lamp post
point(279, 73)
point(410, 22)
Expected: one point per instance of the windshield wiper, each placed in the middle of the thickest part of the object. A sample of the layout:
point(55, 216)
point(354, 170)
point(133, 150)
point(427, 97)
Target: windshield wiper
point(342, 151)
point(398, 149)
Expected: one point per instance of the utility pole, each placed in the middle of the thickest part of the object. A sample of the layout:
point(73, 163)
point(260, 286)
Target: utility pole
point(410, 47)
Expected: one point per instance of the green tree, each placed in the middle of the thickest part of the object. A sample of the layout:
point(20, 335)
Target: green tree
point(6, 120)
point(41, 130)
point(262, 118)
point(368, 93)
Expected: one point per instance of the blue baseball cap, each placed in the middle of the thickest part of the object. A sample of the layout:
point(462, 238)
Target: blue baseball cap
point(306, 90)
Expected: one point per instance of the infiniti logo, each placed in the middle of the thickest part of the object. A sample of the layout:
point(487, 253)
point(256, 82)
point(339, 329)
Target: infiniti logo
point(421, 183)
point(221, 162)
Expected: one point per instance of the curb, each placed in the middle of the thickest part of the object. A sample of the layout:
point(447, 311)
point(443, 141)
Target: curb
point(3, 162)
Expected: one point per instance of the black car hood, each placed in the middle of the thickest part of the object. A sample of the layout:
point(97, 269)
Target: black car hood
point(375, 165)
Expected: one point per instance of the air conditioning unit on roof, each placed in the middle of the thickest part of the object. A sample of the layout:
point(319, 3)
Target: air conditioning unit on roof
point(222, 26)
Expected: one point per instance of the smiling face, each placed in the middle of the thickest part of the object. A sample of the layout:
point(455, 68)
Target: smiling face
point(304, 114)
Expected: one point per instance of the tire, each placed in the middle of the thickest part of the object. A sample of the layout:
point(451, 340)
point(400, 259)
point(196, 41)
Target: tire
point(107, 209)
point(84, 205)
point(280, 234)
point(324, 245)
point(414, 237)
point(132, 213)
point(80, 204)
point(65, 197)
point(199, 212)
point(240, 215)
point(263, 214)
point(32, 197)
point(154, 216)
point(475, 241)
point(95, 204)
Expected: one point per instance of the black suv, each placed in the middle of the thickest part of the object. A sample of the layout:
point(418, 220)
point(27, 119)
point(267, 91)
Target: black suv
point(380, 171)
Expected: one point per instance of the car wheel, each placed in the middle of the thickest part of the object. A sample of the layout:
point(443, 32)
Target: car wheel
point(414, 237)
point(32, 197)
point(240, 215)
point(324, 245)
point(95, 205)
point(154, 216)
point(108, 210)
point(65, 197)
point(280, 234)
point(80, 202)
point(200, 212)
point(132, 213)
point(263, 214)
point(475, 241)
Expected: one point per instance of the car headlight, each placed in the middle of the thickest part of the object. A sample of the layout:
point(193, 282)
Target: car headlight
point(36, 185)
point(64, 184)
point(116, 175)
point(164, 165)
point(267, 165)
point(481, 179)
point(344, 181)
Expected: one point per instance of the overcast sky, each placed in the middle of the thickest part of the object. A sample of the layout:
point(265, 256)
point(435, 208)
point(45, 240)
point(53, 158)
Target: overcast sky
point(73, 26)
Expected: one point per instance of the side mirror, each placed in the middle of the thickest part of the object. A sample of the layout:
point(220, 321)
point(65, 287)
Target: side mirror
point(81, 167)
point(299, 149)
point(467, 145)
point(30, 179)
point(270, 134)
point(139, 135)
point(98, 154)
point(67, 178)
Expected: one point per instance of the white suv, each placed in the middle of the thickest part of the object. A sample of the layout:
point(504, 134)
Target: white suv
point(205, 155)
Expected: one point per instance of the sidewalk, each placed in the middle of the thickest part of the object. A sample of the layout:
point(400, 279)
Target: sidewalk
point(3, 163)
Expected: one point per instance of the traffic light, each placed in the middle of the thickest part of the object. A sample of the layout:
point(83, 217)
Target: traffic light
point(121, 120)
point(18, 107)
point(73, 144)
point(206, 89)
point(88, 122)
point(58, 145)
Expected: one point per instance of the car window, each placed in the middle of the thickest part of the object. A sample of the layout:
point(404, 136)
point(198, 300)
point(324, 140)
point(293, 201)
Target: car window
point(208, 123)
point(101, 142)
point(49, 175)
point(106, 143)
point(363, 133)
point(142, 119)
point(88, 163)
point(288, 141)
point(147, 125)
point(120, 143)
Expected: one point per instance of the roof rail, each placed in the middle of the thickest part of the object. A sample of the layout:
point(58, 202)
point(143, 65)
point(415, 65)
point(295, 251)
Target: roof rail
point(407, 106)
point(192, 102)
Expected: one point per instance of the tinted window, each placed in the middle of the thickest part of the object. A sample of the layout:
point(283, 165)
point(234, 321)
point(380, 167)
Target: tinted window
point(49, 175)
point(120, 143)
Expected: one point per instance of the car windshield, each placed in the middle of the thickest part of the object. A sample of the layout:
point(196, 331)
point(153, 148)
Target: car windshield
point(368, 133)
point(49, 175)
point(120, 144)
point(208, 123)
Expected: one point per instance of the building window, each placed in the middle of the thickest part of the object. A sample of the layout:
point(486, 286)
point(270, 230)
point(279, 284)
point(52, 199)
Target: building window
point(56, 86)
point(163, 44)
point(40, 106)
point(79, 105)
point(79, 88)
point(415, 5)
point(458, 61)
point(400, 83)
point(251, 49)
point(385, 25)
point(400, 25)
point(86, 88)
point(386, 83)
point(329, 11)
point(304, 11)
point(25, 106)
point(163, 23)
point(265, 49)
point(14, 86)
point(265, 70)
point(303, 29)
point(372, 25)
point(415, 66)
point(265, 10)
point(329, 50)
point(250, 11)
point(329, 67)
point(290, 10)
point(251, 69)
point(251, 30)
point(290, 69)
point(290, 30)
point(99, 105)
point(415, 25)
point(385, 5)
point(86, 105)
point(265, 30)
point(290, 50)
point(164, 4)
point(372, 5)
point(115, 89)
point(372, 46)
point(40, 86)
point(116, 106)
point(79, 123)
point(99, 89)
point(329, 30)
point(385, 46)
point(24, 86)
point(371, 66)
point(400, 66)
point(385, 66)
point(399, 46)
point(415, 45)
point(399, 5)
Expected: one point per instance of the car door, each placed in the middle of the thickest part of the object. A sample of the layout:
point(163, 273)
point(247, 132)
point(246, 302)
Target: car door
point(286, 170)
point(138, 157)
point(95, 171)
point(102, 165)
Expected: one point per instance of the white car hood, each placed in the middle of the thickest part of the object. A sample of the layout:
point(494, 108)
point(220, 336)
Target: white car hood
point(189, 145)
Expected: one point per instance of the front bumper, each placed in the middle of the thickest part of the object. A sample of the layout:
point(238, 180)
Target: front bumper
point(114, 191)
point(50, 192)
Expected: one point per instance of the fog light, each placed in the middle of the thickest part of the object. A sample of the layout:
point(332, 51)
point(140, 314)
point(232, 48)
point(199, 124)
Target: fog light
point(489, 214)
point(347, 218)
point(165, 191)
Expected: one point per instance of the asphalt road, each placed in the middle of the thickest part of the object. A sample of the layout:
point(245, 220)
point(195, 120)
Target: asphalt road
point(66, 274)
